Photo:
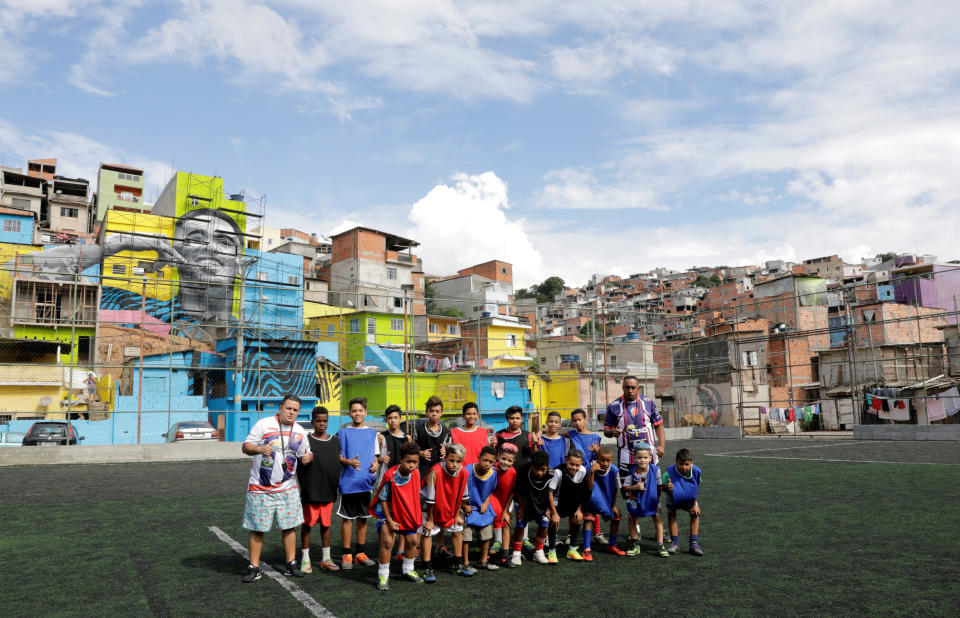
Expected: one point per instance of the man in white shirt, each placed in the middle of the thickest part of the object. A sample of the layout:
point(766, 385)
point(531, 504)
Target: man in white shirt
point(275, 443)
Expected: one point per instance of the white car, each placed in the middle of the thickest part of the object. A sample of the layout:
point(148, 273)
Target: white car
point(11, 438)
point(188, 431)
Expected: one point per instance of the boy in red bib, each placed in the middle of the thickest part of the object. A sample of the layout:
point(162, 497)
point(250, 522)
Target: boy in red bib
point(471, 435)
point(444, 496)
point(397, 509)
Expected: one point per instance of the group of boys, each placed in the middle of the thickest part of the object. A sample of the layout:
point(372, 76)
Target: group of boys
point(463, 482)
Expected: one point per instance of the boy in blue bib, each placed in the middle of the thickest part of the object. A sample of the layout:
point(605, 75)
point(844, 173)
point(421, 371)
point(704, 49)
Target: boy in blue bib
point(682, 484)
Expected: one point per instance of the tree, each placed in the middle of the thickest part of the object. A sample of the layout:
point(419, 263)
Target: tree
point(707, 282)
point(430, 295)
point(452, 312)
point(544, 292)
point(586, 331)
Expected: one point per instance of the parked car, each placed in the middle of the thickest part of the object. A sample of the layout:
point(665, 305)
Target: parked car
point(190, 431)
point(51, 433)
point(11, 438)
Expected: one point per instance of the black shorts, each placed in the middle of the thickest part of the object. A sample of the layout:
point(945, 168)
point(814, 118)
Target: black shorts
point(354, 506)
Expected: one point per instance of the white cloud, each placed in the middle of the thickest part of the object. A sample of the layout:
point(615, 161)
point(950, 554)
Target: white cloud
point(572, 188)
point(467, 222)
point(343, 226)
point(598, 61)
point(78, 155)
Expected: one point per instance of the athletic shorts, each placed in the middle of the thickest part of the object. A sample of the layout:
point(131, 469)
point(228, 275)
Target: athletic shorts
point(672, 508)
point(479, 533)
point(634, 509)
point(436, 529)
point(543, 521)
point(263, 507)
point(381, 522)
point(354, 506)
point(314, 512)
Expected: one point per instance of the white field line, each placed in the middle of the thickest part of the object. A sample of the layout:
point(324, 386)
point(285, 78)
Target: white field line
point(298, 593)
point(790, 448)
point(909, 463)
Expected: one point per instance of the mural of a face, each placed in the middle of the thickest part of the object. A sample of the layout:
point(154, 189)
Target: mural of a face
point(710, 403)
point(210, 244)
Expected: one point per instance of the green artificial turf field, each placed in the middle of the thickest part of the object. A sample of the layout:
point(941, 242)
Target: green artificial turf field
point(790, 527)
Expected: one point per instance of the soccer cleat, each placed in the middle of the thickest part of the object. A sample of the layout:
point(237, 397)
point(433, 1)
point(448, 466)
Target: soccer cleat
point(599, 538)
point(695, 549)
point(515, 560)
point(566, 540)
point(573, 554)
point(383, 582)
point(662, 551)
point(306, 567)
point(429, 577)
point(489, 566)
point(329, 565)
point(253, 574)
point(443, 551)
point(364, 560)
point(495, 548)
point(635, 550)
point(346, 562)
point(552, 557)
point(673, 548)
point(413, 577)
point(292, 569)
point(464, 570)
point(613, 549)
point(540, 558)
point(588, 555)
point(527, 545)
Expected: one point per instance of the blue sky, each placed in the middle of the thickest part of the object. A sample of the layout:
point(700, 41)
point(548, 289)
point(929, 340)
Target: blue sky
point(566, 137)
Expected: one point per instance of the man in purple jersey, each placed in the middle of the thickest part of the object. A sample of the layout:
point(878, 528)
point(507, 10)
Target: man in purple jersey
point(633, 418)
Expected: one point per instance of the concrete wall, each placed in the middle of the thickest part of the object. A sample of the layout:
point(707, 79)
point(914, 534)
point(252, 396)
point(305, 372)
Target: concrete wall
point(179, 451)
point(906, 432)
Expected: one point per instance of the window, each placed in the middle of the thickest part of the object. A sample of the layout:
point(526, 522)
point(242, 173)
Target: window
point(69, 212)
point(511, 341)
point(21, 203)
point(397, 302)
point(119, 269)
point(11, 225)
point(391, 273)
point(371, 326)
point(330, 330)
point(354, 325)
point(503, 271)
point(750, 359)
point(124, 176)
point(435, 328)
point(194, 201)
point(126, 196)
point(293, 280)
point(613, 360)
point(451, 329)
point(262, 276)
point(396, 324)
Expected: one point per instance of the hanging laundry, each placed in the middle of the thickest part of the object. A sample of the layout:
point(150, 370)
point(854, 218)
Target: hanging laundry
point(935, 410)
point(763, 410)
point(951, 401)
point(807, 414)
point(498, 389)
point(899, 412)
point(877, 404)
point(815, 409)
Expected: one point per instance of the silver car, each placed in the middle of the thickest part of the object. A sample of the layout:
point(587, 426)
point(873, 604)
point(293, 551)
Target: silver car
point(188, 431)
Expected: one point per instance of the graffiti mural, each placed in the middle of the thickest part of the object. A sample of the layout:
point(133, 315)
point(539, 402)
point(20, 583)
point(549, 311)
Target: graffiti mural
point(329, 383)
point(278, 367)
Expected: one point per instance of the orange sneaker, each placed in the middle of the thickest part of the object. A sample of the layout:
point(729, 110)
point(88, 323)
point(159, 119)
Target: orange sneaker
point(329, 565)
point(346, 562)
point(613, 549)
point(587, 555)
point(364, 560)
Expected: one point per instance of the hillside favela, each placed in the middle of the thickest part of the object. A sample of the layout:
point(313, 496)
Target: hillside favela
point(124, 317)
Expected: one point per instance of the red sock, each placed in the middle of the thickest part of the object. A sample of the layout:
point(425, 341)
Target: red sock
point(516, 545)
point(596, 526)
point(538, 545)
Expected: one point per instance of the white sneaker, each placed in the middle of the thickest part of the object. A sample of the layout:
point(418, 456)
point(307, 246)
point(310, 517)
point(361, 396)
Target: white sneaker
point(515, 559)
point(599, 538)
point(539, 557)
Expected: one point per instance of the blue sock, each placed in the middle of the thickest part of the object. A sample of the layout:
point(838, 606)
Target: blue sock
point(613, 540)
point(675, 539)
point(587, 537)
point(694, 538)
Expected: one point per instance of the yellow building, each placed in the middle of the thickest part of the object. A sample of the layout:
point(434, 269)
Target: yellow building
point(555, 391)
point(431, 328)
point(500, 342)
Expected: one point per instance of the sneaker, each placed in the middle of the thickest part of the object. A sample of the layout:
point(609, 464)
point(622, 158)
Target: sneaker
point(292, 569)
point(363, 560)
point(599, 538)
point(662, 551)
point(673, 548)
point(613, 549)
point(573, 554)
point(306, 567)
point(253, 574)
point(515, 560)
point(383, 582)
point(413, 577)
point(587, 555)
point(565, 541)
point(443, 551)
point(464, 570)
point(695, 549)
point(539, 557)
point(489, 566)
point(527, 545)
point(635, 550)
point(346, 562)
point(429, 577)
point(495, 548)
point(552, 557)
point(329, 565)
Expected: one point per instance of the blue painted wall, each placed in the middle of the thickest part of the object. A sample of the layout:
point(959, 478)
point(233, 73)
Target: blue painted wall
point(516, 393)
point(24, 236)
point(273, 297)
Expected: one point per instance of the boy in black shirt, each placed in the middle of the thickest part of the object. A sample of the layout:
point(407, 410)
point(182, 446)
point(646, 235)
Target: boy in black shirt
point(533, 504)
point(319, 481)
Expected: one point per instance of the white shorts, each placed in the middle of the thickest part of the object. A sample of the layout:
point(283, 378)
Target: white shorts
point(436, 529)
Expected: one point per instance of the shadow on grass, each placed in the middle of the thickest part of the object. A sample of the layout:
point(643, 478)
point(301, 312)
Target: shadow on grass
point(229, 564)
